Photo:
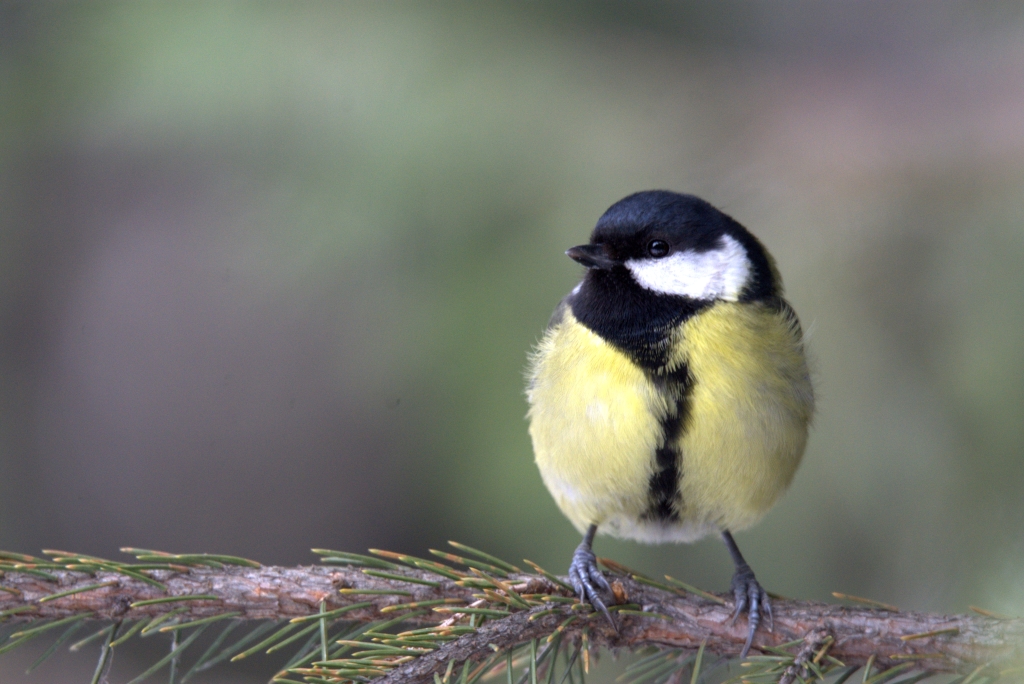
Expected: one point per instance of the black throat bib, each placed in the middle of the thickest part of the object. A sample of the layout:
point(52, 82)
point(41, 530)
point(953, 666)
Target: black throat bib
point(630, 317)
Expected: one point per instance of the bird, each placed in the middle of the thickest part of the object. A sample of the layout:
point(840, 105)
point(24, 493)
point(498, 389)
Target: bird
point(669, 397)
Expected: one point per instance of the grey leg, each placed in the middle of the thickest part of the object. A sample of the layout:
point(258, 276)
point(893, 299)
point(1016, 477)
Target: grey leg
point(749, 596)
point(585, 576)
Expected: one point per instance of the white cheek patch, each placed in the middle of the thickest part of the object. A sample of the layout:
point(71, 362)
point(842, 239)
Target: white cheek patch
point(716, 274)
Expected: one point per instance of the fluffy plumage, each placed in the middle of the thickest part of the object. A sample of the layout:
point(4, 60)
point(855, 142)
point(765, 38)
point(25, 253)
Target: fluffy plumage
point(670, 397)
point(597, 420)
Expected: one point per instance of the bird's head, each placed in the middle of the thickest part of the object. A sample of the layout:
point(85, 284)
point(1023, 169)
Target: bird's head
point(679, 245)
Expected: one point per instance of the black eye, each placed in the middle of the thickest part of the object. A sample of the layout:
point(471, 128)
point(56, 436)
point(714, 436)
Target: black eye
point(657, 248)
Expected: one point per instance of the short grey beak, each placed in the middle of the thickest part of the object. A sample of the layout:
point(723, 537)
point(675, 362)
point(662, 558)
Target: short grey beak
point(591, 256)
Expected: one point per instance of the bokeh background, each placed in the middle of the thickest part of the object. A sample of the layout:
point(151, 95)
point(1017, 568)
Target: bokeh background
point(269, 272)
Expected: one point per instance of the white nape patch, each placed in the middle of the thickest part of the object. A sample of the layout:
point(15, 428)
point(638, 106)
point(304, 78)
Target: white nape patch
point(576, 289)
point(716, 274)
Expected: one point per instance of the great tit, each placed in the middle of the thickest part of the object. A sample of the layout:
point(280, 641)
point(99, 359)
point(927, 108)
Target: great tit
point(670, 396)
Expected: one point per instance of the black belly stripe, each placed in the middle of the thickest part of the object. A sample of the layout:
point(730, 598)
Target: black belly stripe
point(664, 483)
point(642, 324)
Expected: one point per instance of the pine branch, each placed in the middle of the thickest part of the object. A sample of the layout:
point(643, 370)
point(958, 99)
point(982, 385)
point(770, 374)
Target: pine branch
point(264, 593)
point(504, 610)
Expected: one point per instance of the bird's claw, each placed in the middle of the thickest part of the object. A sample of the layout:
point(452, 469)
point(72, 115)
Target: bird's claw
point(752, 599)
point(586, 578)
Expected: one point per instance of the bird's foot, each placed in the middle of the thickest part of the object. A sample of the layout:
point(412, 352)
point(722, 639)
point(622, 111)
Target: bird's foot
point(752, 599)
point(586, 578)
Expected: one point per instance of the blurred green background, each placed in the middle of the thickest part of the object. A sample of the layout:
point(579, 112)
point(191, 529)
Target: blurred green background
point(269, 272)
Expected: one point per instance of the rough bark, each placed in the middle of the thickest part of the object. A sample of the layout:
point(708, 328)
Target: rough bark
point(943, 642)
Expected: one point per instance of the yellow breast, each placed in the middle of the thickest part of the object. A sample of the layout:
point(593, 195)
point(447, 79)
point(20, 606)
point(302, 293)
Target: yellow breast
point(750, 407)
point(596, 422)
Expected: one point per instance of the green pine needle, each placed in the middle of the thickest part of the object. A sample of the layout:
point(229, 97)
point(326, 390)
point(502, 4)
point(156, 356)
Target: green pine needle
point(54, 646)
point(273, 638)
point(78, 645)
point(151, 628)
point(400, 578)
point(135, 629)
point(105, 655)
point(346, 558)
point(198, 665)
point(174, 654)
point(26, 634)
point(331, 613)
point(469, 563)
point(696, 663)
point(295, 637)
